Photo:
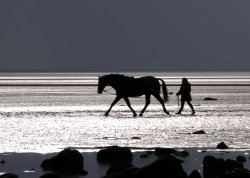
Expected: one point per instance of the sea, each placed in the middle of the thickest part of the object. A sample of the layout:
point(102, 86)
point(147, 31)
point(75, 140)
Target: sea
point(47, 112)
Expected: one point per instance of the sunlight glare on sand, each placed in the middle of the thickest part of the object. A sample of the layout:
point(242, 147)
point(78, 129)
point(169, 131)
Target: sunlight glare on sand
point(49, 118)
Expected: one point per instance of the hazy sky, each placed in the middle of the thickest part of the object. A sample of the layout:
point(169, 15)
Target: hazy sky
point(122, 35)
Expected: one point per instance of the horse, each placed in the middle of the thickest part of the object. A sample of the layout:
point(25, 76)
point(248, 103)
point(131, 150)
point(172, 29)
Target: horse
point(126, 86)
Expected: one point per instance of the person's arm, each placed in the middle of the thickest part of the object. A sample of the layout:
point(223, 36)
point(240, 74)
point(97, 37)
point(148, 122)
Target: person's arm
point(179, 92)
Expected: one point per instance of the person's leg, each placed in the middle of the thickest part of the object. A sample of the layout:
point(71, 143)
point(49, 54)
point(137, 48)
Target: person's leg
point(181, 108)
point(191, 106)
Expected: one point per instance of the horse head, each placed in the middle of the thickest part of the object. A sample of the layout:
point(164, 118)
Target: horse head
point(101, 84)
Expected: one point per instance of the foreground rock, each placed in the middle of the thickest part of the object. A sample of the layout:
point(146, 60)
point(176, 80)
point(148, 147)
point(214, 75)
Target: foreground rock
point(213, 167)
point(119, 167)
point(165, 166)
point(51, 175)
point(115, 154)
point(164, 151)
point(67, 162)
point(195, 174)
point(182, 154)
point(170, 151)
point(237, 173)
point(9, 175)
point(241, 159)
point(220, 168)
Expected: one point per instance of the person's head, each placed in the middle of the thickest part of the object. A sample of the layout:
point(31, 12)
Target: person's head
point(184, 80)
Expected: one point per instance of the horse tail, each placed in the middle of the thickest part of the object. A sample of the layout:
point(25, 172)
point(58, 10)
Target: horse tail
point(164, 90)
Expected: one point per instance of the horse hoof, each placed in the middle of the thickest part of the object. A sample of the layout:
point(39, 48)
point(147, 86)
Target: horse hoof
point(141, 115)
point(167, 113)
point(134, 115)
point(106, 114)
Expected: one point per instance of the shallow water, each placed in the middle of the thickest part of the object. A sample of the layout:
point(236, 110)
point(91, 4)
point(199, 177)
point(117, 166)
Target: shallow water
point(49, 118)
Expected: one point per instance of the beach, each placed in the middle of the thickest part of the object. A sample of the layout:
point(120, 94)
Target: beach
point(40, 120)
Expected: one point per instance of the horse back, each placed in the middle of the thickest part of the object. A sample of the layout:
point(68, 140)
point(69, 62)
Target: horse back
point(141, 86)
point(149, 82)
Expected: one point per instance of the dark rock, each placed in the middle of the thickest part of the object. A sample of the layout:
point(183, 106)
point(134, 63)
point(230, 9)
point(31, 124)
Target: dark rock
point(182, 154)
point(218, 168)
point(213, 167)
point(165, 166)
point(164, 151)
point(119, 167)
point(9, 175)
point(231, 165)
point(238, 173)
point(222, 145)
point(115, 154)
point(136, 138)
point(123, 174)
point(150, 152)
point(199, 132)
point(66, 162)
point(241, 159)
point(2, 162)
point(195, 174)
point(144, 156)
point(210, 99)
point(51, 175)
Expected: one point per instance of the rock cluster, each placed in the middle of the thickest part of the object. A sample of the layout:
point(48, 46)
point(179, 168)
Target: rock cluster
point(115, 154)
point(164, 166)
point(70, 162)
point(67, 162)
point(167, 165)
point(220, 168)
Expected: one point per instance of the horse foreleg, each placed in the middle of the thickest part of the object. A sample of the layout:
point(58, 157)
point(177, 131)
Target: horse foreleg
point(147, 97)
point(158, 97)
point(113, 103)
point(128, 103)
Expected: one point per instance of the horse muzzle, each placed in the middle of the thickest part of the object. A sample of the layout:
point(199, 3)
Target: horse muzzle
point(99, 91)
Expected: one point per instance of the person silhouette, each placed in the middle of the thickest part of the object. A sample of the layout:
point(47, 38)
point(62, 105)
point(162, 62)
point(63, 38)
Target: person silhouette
point(185, 92)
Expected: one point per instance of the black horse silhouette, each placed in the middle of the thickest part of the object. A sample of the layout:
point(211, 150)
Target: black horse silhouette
point(132, 87)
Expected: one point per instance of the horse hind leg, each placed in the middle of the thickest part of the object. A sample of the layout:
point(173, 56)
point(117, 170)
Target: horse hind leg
point(147, 97)
point(128, 103)
point(158, 97)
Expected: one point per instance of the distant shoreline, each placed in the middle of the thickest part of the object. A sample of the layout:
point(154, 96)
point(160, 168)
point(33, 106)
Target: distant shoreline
point(94, 85)
point(91, 78)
